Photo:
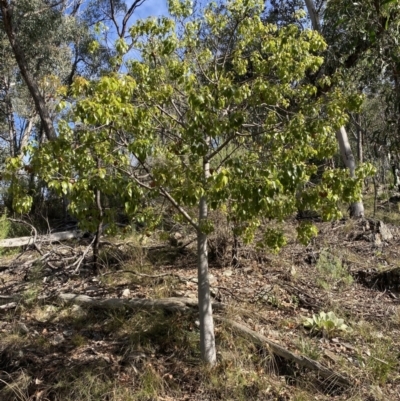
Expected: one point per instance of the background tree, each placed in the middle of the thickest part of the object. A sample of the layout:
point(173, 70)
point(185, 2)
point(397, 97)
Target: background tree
point(45, 45)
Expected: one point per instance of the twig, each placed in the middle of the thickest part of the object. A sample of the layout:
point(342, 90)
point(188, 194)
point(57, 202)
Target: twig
point(79, 261)
point(234, 296)
point(34, 238)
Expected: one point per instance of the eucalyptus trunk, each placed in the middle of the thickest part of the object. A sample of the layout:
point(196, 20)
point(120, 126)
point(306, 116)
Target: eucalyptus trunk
point(96, 244)
point(360, 140)
point(356, 208)
point(207, 336)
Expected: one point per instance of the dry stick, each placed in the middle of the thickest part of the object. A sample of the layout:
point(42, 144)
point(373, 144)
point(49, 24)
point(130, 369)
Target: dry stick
point(234, 296)
point(79, 261)
point(11, 305)
point(34, 238)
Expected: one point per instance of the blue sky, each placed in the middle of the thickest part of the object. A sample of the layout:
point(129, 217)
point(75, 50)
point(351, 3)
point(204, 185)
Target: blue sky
point(152, 8)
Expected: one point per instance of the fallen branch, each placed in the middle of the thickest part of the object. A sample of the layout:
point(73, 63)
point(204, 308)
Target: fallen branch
point(33, 230)
point(21, 241)
point(80, 260)
point(286, 354)
point(11, 305)
point(9, 299)
point(170, 304)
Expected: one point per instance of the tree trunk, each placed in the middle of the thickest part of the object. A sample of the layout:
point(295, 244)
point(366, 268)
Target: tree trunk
point(96, 244)
point(356, 208)
point(235, 251)
point(360, 140)
point(207, 337)
point(313, 15)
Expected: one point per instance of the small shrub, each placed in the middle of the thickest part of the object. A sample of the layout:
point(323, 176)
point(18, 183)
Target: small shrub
point(325, 324)
point(332, 271)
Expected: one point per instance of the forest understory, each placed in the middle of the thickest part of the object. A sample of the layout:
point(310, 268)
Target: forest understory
point(130, 331)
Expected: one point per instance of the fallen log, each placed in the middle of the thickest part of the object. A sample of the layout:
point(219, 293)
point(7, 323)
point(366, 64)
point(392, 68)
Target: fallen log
point(277, 349)
point(11, 305)
point(9, 299)
point(173, 304)
point(21, 241)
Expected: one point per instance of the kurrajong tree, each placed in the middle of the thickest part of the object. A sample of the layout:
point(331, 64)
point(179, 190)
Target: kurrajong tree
point(187, 122)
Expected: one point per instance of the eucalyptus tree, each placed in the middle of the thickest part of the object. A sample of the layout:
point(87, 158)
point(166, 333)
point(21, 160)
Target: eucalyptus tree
point(363, 40)
point(45, 45)
point(369, 44)
point(182, 123)
point(51, 40)
point(356, 208)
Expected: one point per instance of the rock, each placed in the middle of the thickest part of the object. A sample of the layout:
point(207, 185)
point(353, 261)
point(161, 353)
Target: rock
point(126, 293)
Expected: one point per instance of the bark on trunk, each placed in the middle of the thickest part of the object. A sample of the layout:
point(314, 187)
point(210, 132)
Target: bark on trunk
point(360, 141)
point(96, 244)
point(356, 208)
point(207, 337)
point(313, 15)
point(6, 12)
point(235, 251)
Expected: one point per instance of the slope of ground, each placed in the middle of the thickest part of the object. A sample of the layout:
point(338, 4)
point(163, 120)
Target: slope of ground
point(50, 350)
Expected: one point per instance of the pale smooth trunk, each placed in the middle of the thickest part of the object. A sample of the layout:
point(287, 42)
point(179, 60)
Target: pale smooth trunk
point(207, 337)
point(96, 244)
point(356, 208)
point(360, 140)
point(313, 15)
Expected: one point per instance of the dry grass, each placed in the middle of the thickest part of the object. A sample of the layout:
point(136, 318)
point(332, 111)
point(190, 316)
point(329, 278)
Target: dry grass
point(69, 353)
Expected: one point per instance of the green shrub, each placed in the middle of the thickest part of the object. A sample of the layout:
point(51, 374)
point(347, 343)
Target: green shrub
point(325, 323)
